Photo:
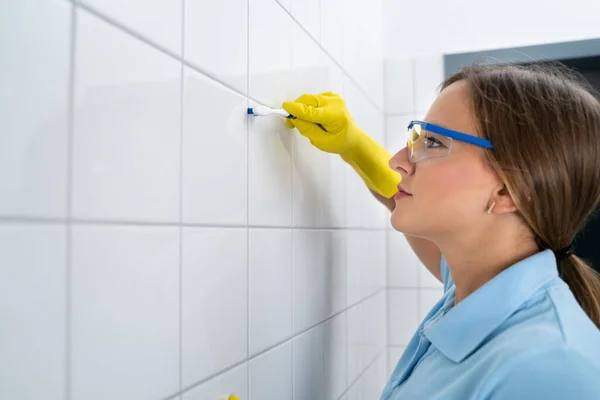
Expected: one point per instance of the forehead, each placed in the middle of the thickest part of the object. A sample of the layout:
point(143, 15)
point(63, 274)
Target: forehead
point(452, 109)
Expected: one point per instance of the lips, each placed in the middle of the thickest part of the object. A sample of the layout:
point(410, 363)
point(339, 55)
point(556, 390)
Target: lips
point(402, 190)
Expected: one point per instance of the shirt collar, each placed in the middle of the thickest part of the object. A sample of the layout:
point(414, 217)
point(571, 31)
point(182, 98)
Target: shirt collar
point(465, 326)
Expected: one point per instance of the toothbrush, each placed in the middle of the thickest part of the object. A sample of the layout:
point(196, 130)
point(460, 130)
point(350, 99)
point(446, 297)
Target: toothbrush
point(261, 111)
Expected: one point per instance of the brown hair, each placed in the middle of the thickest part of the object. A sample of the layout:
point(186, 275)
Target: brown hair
point(544, 124)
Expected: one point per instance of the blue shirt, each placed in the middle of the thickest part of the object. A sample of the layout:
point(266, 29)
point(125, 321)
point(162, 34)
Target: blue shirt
point(522, 335)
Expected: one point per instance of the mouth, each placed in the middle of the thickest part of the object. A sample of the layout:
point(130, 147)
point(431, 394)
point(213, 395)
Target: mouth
point(402, 193)
point(402, 190)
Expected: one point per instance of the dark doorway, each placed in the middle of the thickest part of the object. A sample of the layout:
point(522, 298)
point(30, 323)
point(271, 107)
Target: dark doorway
point(587, 241)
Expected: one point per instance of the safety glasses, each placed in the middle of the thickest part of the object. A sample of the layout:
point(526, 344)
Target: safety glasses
point(427, 140)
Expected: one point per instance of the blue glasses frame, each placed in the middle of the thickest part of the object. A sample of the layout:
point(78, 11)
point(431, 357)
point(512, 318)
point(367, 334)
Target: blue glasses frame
point(463, 137)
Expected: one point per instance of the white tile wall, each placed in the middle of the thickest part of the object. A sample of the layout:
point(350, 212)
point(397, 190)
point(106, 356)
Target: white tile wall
point(403, 315)
point(219, 49)
point(126, 139)
point(335, 356)
point(157, 241)
point(319, 276)
point(214, 124)
point(308, 14)
point(232, 382)
point(269, 52)
point(397, 131)
point(271, 287)
point(308, 365)
point(394, 354)
point(400, 86)
point(403, 264)
point(269, 172)
point(124, 313)
point(271, 374)
point(160, 21)
point(34, 76)
point(429, 74)
point(32, 308)
point(427, 299)
point(214, 300)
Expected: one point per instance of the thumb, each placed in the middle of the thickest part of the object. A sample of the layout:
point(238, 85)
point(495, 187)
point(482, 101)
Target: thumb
point(304, 111)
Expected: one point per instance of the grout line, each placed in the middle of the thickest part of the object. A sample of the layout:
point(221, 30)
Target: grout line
point(191, 65)
point(107, 222)
point(369, 365)
point(69, 205)
point(181, 139)
point(271, 347)
point(293, 217)
point(368, 97)
point(160, 48)
point(248, 198)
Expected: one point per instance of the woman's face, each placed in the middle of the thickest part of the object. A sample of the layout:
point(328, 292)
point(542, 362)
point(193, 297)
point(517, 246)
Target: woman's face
point(449, 193)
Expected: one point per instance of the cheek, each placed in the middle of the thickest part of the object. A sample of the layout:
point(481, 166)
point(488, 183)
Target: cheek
point(448, 195)
point(458, 190)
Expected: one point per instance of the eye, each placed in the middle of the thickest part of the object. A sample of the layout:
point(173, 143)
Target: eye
point(433, 143)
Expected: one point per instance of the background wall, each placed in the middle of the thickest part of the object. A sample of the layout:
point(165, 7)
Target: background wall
point(428, 27)
point(157, 243)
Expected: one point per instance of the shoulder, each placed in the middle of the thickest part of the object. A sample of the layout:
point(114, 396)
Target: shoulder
point(551, 373)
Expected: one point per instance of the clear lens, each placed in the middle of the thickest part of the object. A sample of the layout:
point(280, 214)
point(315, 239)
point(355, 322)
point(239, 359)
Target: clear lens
point(423, 144)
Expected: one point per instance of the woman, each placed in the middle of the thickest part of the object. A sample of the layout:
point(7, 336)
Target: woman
point(494, 186)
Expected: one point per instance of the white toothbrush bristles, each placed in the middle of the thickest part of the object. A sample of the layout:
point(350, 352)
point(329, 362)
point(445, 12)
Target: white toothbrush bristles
point(262, 111)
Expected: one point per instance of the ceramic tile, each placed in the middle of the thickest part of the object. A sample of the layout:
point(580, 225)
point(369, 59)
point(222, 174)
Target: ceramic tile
point(270, 53)
point(224, 58)
point(403, 315)
point(32, 308)
point(232, 382)
point(271, 374)
point(214, 273)
point(308, 15)
point(159, 21)
point(403, 264)
point(399, 86)
point(356, 354)
point(34, 76)
point(319, 276)
point(427, 299)
point(335, 356)
point(270, 171)
point(396, 132)
point(270, 275)
point(308, 365)
point(394, 354)
point(427, 279)
point(214, 153)
point(126, 143)
point(331, 27)
point(125, 312)
point(429, 74)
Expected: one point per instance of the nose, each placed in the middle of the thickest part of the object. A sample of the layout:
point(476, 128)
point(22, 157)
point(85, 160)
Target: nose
point(399, 163)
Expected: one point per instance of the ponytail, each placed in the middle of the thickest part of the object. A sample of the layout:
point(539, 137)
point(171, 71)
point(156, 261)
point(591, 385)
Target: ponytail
point(584, 282)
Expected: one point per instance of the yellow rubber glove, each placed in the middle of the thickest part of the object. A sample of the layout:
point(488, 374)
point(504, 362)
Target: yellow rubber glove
point(325, 121)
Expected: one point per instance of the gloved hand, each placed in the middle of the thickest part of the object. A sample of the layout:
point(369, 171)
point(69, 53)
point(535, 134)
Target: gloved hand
point(325, 121)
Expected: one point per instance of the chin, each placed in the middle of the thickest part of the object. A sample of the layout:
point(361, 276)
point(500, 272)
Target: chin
point(406, 223)
point(400, 221)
